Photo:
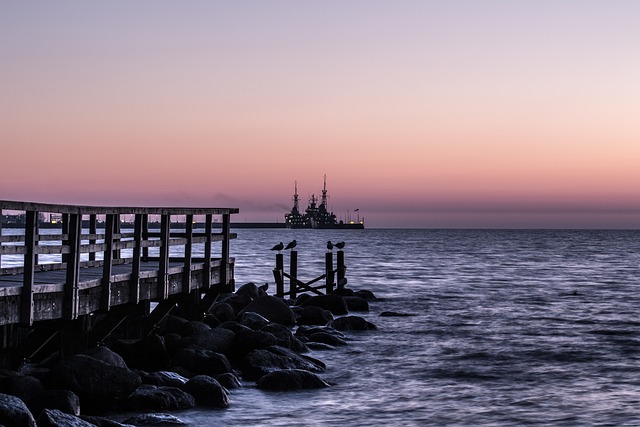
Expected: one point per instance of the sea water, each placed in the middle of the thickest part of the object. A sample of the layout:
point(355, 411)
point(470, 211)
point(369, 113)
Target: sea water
point(505, 328)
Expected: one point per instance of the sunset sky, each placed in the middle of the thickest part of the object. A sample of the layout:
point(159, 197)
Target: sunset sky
point(498, 114)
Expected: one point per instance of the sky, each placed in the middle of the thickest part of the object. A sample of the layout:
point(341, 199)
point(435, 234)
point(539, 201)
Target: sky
point(421, 113)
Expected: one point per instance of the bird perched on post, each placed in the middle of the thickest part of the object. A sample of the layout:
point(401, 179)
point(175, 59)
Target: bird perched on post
point(339, 245)
point(329, 245)
point(278, 247)
point(292, 244)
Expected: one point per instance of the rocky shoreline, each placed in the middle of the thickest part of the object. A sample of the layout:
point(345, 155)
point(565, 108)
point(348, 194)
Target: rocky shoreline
point(247, 335)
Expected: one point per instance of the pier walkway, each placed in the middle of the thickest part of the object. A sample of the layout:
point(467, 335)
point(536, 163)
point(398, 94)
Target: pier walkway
point(67, 267)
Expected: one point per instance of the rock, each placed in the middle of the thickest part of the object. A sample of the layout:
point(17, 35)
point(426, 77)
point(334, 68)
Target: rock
point(326, 338)
point(63, 400)
point(136, 352)
point(273, 309)
point(171, 324)
point(238, 302)
point(202, 361)
point(245, 341)
point(285, 338)
point(24, 387)
point(290, 379)
point(164, 378)
point(352, 323)
point(320, 346)
point(313, 315)
point(260, 362)
point(152, 398)
point(366, 295)
point(356, 304)
point(192, 327)
point(334, 303)
point(56, 418)
point(344, 292)
point(306, 331)
point(218, 340)
point(251, 290)
point(395, 314)
point(301, 298)
point(222, 311)
point(102, 422)
point(96, 383)
point(207, 391)
point(228, 380)
point(105, 355)
point(253, 320)
point(154, 420)
point(210, 319)
point(234, 327)
point(14, 412)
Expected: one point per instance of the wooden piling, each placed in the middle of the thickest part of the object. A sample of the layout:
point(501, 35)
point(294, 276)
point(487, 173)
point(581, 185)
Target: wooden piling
point(293, 274)
point(328, 271)
point(278, 275)
point(341, 269)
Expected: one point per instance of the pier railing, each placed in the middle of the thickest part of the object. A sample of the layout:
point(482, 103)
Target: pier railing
point(76, 260)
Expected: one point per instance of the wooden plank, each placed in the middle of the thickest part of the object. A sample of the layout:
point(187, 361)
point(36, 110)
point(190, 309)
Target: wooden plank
point(93, 229)
point(208, 226)
point(188, 246)
point(137, 253)
point(145, 236)
point(107, 263)
point(70, 306)
point(26, 305)
point(1, 237)
point(226, 226)
point(163, 280)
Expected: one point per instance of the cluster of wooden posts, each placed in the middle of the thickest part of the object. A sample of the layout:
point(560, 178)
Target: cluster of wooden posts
point(331, 275)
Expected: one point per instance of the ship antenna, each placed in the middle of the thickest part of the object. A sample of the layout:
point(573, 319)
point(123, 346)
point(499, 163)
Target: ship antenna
point(295, 196)
point(324, 192)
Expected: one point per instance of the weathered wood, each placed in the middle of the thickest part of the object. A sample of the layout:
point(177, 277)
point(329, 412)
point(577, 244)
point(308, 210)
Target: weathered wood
point(73, 268)
point(93, 229)
point(107, 263)
point(208, 228)
point(29, 264)
point(137, 253)
point(163, 280)
point(328, 271)
point(226, 226)
point(186, 275)
point(278, 274)
point(341, 268)
point(293, 272)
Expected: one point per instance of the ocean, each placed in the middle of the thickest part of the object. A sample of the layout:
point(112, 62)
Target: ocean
point(506, 328)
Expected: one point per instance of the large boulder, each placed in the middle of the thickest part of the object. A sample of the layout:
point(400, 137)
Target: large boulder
point(222, 311)
point(164, 378)
point(238, 302)
point(228, 380)
point(24, 387)
point(106, 355)
point(352, 323)
point(152, 398)
point(192, 327)
point(285, 338)
point(326, 338)
point(260, 362)
point(56, 418)
point(356, 303)
point(272, 308)
point(207, 391)
point(135, 352)
point(312, 315)
point(217, 340)
point(202, 361)
point(63, 400)
point(248, 340)
point(365, 294)
point(102, 422)
point(334, 303)
point(251, 289)
point(253, 320)
point(154, 420)
point(96, 383)
point(14, 412)
point(290, 379)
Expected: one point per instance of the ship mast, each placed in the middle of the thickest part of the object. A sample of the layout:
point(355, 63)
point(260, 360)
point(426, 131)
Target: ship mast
point(295, 197)
point(324, 192)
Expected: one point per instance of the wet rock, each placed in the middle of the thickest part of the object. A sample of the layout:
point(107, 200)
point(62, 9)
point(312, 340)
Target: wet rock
point(106, 355)
point(313, 315)
point(228, 380)
point(291, 379)
point(395, 314)
point(172, 324)
point(202, 361)
point(218, 340)
point(96, 383)
point(207, 391)
point(356, 304)
point(306, 331)
point(238, 302)
point(334, 303)
point(14, 412)
point(366, 295)
point(192, 327)
point(326, 338)
point(250, 289)
point(260, 362)
point(154, 420)
point(248, 340)
point(24, 387)
point(285, 338)
point(222, 311)
point(102, 422)
point(320, 346)
point(352, 323)
point(135, 352)
point(345, 292)
point(301, 298)
point(234, 327)
point(56, 418)
point(164, 378)
point(253, 320)
point(152, 398)
point(63, 400)
point(273, 309)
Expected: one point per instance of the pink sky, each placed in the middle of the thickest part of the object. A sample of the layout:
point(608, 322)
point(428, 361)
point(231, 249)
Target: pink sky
point(420, 113)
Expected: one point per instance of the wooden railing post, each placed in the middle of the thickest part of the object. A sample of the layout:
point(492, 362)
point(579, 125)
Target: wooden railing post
point(93, 229)
point(145, 236)
point(186, 272)
point(206, 272)
point(108, 262)
point(278, 275)
point(137, 252)
point(71, 291)
point(328, 269)
point(65, 230)
point(163, 277)
point(26, 309)
point(117, 227)
point(293, 274)
point(1, 219)
point(226, 226)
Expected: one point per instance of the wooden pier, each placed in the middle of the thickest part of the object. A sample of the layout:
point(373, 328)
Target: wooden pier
point(102, 274)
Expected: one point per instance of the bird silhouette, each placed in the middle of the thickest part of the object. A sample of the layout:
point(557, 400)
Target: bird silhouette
point(292, 244)
point(278, 247)
point(339, 245)
point(329, 245)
